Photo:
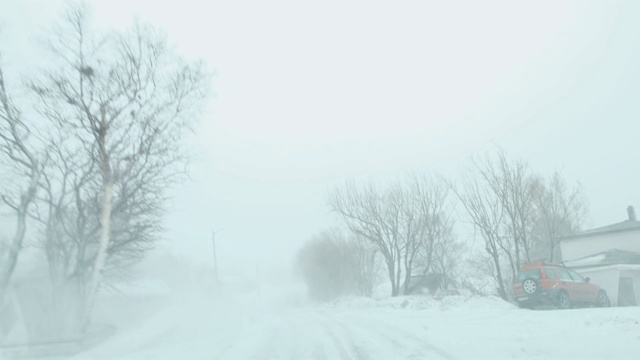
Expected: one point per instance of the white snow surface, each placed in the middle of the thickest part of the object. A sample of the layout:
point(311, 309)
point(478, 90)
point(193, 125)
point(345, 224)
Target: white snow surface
point(279, 323)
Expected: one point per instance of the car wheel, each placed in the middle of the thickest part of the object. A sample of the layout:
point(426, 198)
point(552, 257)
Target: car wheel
point(603, 299)
point(564, 302)
point(530, 286)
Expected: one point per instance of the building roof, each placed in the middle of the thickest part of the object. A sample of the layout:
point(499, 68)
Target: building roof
point(605, 258)
point(627, 225)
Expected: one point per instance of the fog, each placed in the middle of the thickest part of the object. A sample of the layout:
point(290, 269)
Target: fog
point(308, 98)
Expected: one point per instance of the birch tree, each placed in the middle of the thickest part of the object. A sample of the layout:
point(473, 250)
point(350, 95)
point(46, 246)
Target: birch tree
point(126, 100)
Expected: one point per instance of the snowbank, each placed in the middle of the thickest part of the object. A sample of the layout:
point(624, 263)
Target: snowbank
point(266, 323)
point(424, 303)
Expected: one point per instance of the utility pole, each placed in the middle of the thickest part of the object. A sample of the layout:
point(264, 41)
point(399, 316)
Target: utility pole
point(215, 257)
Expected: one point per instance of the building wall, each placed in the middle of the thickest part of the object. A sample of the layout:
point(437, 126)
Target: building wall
point(635, 275)
point(607, 279)
point(576, 248)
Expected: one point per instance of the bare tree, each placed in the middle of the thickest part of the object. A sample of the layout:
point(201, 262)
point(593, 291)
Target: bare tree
point(365, 264)
point(448, 256)
point(561, 211)
point(124, 99)
point(512, 183)
point(325, 265)
point(404, 221)
point(375, 215)
point(516, 213)
point(438, 249)
point(25, 165)
point(486, 213)
point(413, 232)
point(431, 195)
point(68, 211)
point(335, 263)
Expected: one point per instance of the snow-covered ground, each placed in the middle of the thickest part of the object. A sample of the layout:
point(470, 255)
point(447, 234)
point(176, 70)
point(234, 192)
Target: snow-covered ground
point(272, 323)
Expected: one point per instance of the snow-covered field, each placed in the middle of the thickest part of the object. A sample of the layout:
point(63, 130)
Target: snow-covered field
point(271, 324)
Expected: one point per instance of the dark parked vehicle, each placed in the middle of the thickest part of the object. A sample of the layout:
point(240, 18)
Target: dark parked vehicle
point(445, 293)
point(539, 283)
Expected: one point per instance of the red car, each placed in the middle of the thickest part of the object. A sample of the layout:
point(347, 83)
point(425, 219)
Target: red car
point(540, 283)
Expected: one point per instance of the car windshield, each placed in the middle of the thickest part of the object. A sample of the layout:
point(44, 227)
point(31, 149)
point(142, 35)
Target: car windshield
point(576, 276)
point(528, 274)
point(282, 179)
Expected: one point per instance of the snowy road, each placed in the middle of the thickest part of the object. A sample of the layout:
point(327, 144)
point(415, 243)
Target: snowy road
point(392, 329)
point(330, 335)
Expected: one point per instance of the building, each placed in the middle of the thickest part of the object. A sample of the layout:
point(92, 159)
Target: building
point(610, 257)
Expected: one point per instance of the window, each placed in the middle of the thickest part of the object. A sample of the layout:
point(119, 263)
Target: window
point(576, 277)
point(550, 274)
point(564, 275)
point(533, 274)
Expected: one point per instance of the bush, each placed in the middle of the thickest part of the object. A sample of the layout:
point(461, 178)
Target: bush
point(333, 265)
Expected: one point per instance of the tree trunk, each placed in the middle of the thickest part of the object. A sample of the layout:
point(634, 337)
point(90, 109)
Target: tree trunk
point(11, 260)
point(101, 256)
point(398, 270)
point(552, 247)
point(8, 264)
point(391, 266)
point(501, 290)
point(407, 280)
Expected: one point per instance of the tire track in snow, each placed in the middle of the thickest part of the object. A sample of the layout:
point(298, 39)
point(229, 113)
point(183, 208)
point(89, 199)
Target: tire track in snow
point(398, 337)
point(346, 351)
point(324, 335)
point(379, 337)
point(342, 351)
point(286, 335)
point(358, 350)
point(250, 342)
point(269, 344)
point(306, 332)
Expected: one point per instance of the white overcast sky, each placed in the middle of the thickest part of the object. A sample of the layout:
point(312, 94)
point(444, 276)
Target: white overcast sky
point(308, 94)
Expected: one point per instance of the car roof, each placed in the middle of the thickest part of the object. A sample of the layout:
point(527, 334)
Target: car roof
point(539, 265)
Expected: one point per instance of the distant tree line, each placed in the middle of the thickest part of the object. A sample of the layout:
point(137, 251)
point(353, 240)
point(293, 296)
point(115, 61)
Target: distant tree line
point(335, 264)
point(409, 224)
